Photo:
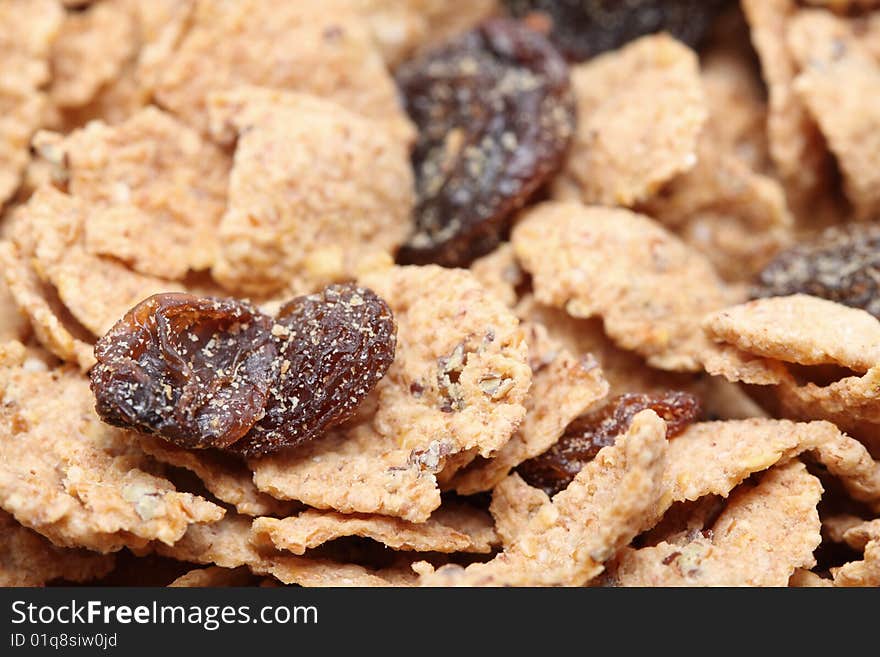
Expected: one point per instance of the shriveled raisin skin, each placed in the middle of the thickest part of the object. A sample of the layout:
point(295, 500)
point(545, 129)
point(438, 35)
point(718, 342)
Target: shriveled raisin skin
point(584, 28)
point(333, 348)
point(193, 370)
point(842, 264)
point(554, 470)
point(496, 114)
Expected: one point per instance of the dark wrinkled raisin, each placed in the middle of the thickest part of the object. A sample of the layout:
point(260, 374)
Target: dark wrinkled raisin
point(584, 437)
point(584, 28)
point(842, 265)
point(196, 371)
point(218, 373)
point(495, 114)
point(333, 348)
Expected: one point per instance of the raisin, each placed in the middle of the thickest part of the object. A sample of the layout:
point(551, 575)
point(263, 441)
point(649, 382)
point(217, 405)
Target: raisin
point(193, 370)
point(204, 372)
point(553, 470)
point(333, 348)
point(495, 114)
point(584, 28)
point(842, 265)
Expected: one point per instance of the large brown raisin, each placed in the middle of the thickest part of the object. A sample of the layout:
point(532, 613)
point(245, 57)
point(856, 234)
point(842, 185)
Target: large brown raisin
point(842, 264)
point(196, 371)
point(333, 348)
point(584, 437)
point(495, 114)
point(584, 28)
point(217, 373)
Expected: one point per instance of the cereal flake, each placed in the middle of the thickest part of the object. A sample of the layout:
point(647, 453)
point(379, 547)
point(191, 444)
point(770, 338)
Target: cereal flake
point(76, 480)
point(432, 404)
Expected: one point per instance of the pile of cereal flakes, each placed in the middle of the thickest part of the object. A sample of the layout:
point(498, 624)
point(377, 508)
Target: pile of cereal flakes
point(419, 292)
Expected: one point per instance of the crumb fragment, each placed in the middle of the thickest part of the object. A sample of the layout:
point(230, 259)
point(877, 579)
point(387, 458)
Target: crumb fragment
point(214, 576)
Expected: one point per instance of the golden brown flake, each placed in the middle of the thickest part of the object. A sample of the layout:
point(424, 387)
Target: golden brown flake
point(861, 533)
point(75, 480)
point(715, 457)
point(28, 559)
point(91, 50)
point(839, 83)
point(566, 542)
point(457, 384)
point(796, 146)
point(562, 389)
point(156, 191)
point(403, 27)
point(227, 544)
point(862, 536)
point(824, 355)
point(500, 273)
point(835, 527)
point(626, 371)
point(27, 30)
point(736, 218)
point(96, 290)
point(514, 504)
point(46, 315)
point(312, 46)
point(650, 289)
point(451, 528)
point(735, 95)
point(801, 329)
point(315, 191)
point(861, 573)
point(802, 578)
point(765, 533)
point(223, 475)
point(844, 6)
point(13, 323)
point(682, 520)
point(632, 138)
